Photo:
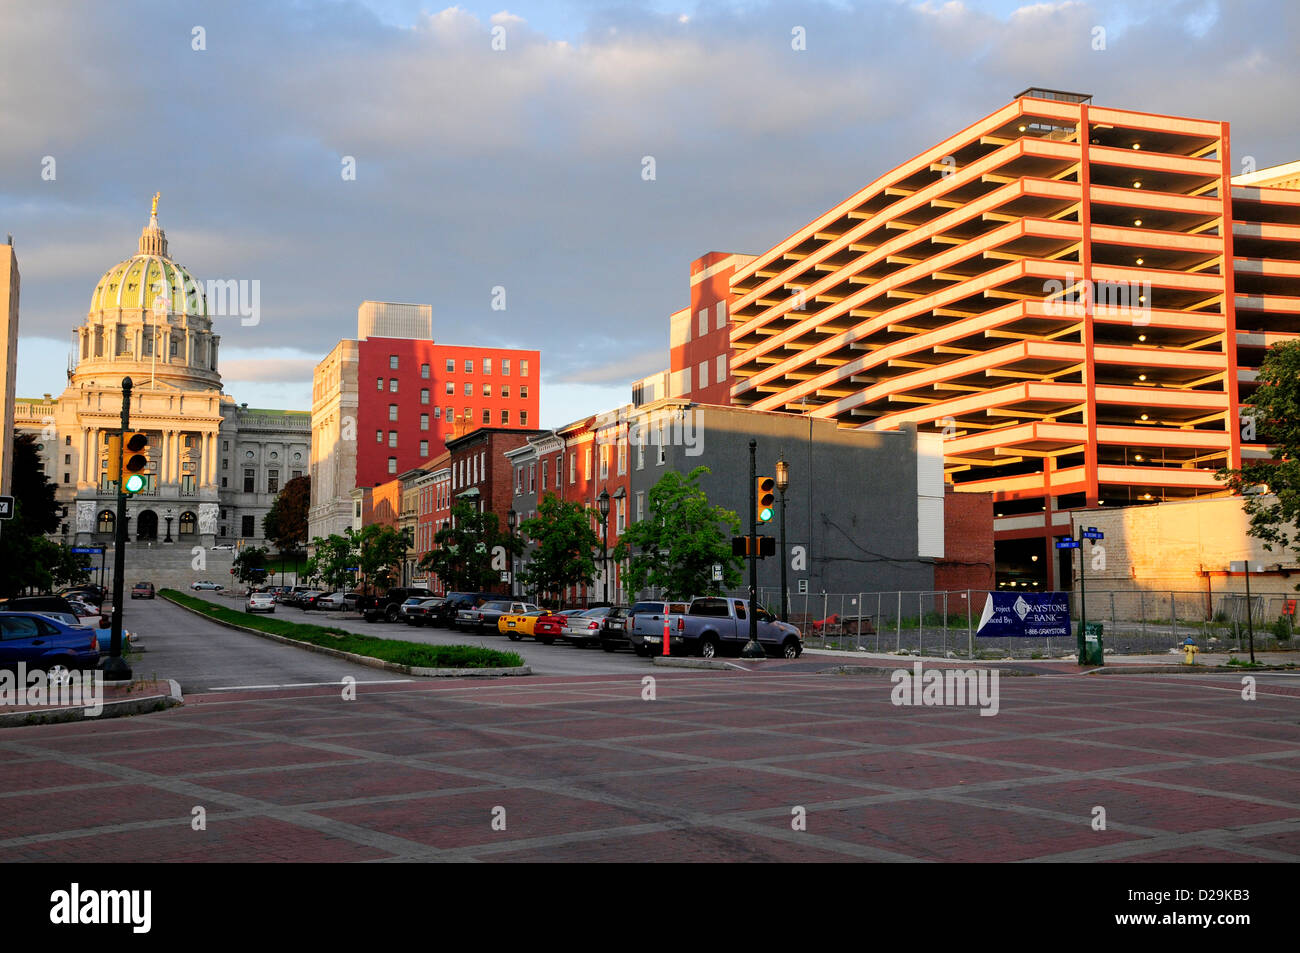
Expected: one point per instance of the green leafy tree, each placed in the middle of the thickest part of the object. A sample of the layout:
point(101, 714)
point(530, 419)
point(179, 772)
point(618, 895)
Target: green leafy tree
point(683, 535)
point(285, 524)
point(29, 560)
point(467, 552)
point(250, 564)
point(1274, 415)
point(335, 554)
point(381, 550)
point(563, 548)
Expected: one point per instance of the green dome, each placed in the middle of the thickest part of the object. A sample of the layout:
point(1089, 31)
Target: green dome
point(134, 284)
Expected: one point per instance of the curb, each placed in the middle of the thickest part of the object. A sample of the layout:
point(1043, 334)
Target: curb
point(1189, 670)
point(119, 709)
point(709, 663)
point(366, 659)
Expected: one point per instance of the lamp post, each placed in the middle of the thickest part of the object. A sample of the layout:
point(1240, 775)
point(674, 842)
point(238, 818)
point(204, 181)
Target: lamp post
point(512, 520)
point(783, 481)
point(602, 505)
point(169, 518)
point(752, 649)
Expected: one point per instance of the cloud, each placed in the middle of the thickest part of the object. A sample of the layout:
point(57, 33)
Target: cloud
point(622, 370)
point(283, 370)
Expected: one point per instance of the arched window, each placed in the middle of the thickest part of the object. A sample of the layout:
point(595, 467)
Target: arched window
point(189, 523)
point(106, 521)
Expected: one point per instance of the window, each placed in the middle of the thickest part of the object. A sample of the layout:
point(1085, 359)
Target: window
point(622, 457)
point(487, 390)
point(704, 374)
point(424, 421)
point(451, 414)
point(573, 467)
point(640, 506)
point(392, 385)
point(604, 461)
point(246, 526)
point(487, 365)
point(379, 383)
point(379, 436)
point(392, 438)
point(105, 522)
point(587, 466)
point(640, 455)
point(544, 464)
point(487, 416)
point(469, 366)
point(225, 445)
point(392, 464)
point(523, 368)
point(392, 411)
point(505, 366)
point(424, 395)
point(424, 371)
point(451, 366)
point(469, 389)
point(721, 375)
point(437, 413)
point(392, 362)
point(67, 477)
point(248, 481)
point(451, 388)
point(505, 390)
point(424, 449)
point(523, 391)
point(622, 513)
point(225, 464)
point(532, 478)
point(703, 316)
point(523, 418)
point(663, 450)
point(223, 483)
point(505, 417)
point(519, 480)
point(189, 524)
point(297, 474)
point(272, 481)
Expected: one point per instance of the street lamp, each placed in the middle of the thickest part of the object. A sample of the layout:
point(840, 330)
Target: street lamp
point(602, 505)
point(512, 519)
point(169, 517)
point(783, 481)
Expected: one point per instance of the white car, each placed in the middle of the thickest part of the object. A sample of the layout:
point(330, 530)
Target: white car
point(260, 602)
point(205, 585)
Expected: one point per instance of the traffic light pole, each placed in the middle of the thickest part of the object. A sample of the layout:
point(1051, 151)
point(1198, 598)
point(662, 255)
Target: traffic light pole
point(752, 649)
point(115, 667)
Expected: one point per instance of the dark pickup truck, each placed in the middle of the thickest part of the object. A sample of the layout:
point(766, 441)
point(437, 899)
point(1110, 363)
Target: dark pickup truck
point(388, 606)
point(715, 625)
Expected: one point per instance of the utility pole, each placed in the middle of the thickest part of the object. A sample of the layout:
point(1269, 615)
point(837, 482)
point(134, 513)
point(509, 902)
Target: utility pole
point(115, 667)
point(752, 649)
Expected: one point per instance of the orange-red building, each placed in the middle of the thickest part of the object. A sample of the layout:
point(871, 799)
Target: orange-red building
point(1077, 297)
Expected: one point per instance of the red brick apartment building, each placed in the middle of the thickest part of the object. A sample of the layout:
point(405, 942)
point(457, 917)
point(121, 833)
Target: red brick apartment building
point(1077, 297)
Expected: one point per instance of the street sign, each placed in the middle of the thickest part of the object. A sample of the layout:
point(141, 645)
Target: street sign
point(1239, 565)
point(1092, 533)
point(505, 575)
point(717, 572)
point(1065, 542)
point(803, 587)
point(6, 507)
point(93, 550)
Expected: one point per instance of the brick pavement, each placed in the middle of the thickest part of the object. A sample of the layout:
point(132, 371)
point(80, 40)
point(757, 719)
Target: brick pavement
point(585, 770)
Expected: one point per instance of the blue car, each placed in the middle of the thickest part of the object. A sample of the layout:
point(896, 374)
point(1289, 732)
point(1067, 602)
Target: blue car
point(45, 643)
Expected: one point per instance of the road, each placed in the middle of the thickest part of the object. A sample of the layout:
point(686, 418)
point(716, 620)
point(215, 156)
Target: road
point(204, 656)
point(558, 659)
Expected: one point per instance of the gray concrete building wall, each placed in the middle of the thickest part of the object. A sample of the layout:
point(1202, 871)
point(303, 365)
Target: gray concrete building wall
point(9, 288)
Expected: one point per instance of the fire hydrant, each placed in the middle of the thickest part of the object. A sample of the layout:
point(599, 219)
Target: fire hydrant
point(1189, 650)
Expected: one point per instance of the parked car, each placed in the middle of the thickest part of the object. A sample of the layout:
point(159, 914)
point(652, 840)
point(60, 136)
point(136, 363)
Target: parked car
point(350, 600)
point(716, 625)
point(602, 625)
point(330, 601)
point(417, 611)
point(260, 602)
point(206, 584)
point(307, 600)
point(91, 595)
point(44, 643)
point(644, 626)
point(446, 614)
point(484, 617)
point(87, 614)
point(544, 626)
point(142, 590)
point(223, 546)
point(388, 606)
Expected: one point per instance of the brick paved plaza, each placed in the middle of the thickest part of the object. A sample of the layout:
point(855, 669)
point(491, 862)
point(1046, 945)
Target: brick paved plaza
point(711, 770)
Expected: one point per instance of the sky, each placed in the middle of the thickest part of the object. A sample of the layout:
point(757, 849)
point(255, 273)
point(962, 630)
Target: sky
point(522, 167)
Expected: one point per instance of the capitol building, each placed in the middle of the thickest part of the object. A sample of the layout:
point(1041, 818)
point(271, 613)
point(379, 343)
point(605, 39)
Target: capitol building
point(215, 466)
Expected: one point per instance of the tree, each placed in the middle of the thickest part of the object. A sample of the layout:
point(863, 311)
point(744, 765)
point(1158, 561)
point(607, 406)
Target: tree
point(381, 550)
point(250, 564)
point(335, 555)
point(470, 552)
point(285, 524)
point(28, 560)
point(564, 545)
point(1275, 419)
point(681, 539)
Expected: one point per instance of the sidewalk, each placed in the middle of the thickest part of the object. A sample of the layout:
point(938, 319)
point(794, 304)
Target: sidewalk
point(1205, 660)
point(109, 700)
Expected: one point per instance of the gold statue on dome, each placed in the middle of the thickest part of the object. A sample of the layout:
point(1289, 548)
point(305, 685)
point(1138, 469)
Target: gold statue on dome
point(156, 197)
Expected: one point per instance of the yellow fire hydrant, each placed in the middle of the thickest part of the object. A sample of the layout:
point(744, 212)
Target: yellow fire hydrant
point(1189, 650)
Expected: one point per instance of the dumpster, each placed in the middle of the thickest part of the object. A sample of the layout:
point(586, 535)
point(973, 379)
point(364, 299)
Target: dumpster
point(1092, 645)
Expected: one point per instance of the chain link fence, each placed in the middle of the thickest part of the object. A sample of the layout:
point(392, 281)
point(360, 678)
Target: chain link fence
point(943, 624)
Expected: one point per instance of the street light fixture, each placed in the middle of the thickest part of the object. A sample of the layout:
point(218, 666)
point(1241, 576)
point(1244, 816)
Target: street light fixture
point(170, 517)
point(783, 481)
point(512, 519)
point(602, 506)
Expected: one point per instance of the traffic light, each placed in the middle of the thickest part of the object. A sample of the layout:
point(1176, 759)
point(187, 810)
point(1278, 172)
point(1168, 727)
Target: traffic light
point(113, 443)
point(134, 462)
point(766, 499)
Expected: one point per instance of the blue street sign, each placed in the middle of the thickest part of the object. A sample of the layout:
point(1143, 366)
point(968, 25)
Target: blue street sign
point(1092, 533)
point(1066, 542)
point(96, 550)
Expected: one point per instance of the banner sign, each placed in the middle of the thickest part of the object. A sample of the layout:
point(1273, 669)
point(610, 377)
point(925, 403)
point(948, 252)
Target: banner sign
point(1033, 615)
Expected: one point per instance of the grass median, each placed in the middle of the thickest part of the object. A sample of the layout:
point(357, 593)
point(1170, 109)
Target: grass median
point(414, 654)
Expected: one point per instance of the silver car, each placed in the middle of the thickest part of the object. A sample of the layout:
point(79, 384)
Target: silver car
point(260, 602)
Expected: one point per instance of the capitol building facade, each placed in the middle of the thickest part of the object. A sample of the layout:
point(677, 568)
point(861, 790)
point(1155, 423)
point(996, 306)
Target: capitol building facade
point(215, 466)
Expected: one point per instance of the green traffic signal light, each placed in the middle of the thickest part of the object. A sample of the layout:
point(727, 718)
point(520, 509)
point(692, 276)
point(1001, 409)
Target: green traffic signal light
point(765, 514)
point(134, 483)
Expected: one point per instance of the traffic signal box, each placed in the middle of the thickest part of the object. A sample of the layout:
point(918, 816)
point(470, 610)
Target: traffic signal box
point(113, 445)
point(134, 462)
point(741, 545)
point(766, 497)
